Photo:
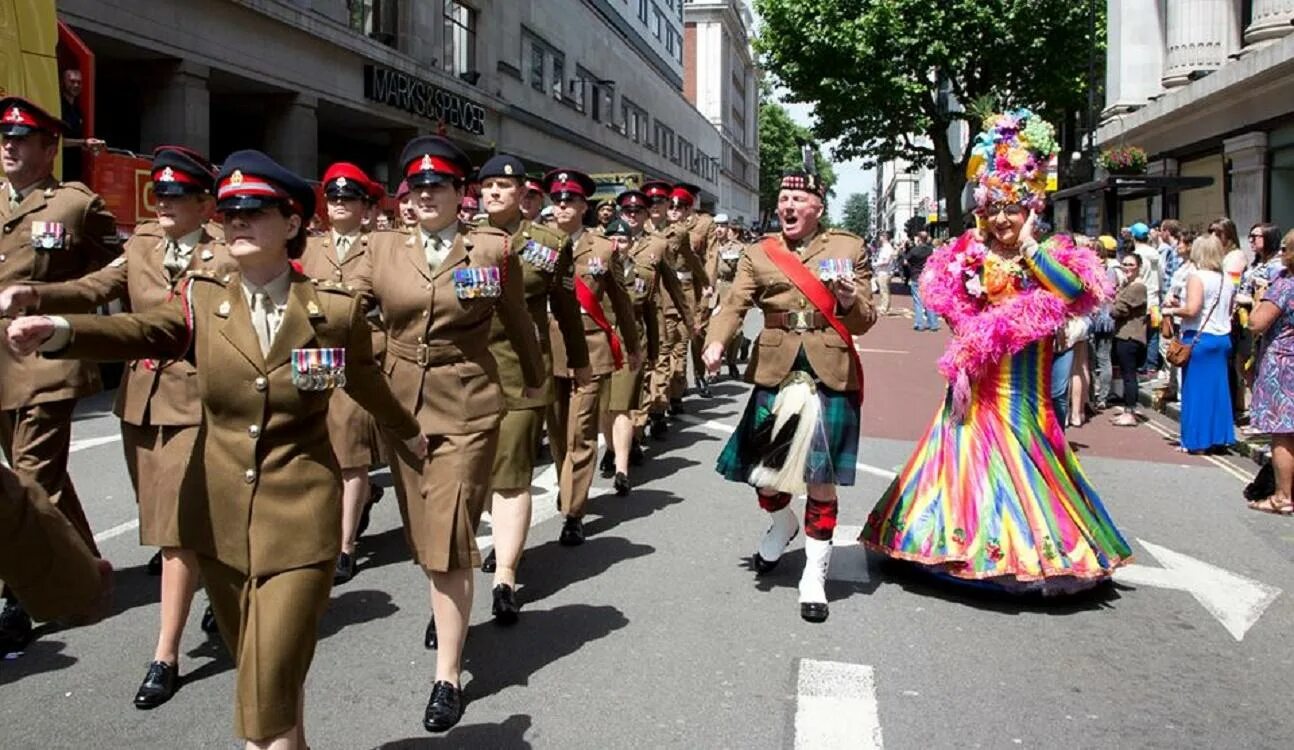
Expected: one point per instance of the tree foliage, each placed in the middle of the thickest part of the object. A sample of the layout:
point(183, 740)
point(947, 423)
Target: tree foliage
point(857, 216)
point(780, 140)
point(879, 72)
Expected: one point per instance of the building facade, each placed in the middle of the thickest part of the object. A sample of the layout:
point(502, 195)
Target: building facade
point(1206, 87)
point(589, 84)
point(904, 191)
point(720, 79)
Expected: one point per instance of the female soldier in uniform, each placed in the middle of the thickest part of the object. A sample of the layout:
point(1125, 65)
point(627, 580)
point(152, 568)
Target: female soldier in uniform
point(261, 505)
point(439, 290)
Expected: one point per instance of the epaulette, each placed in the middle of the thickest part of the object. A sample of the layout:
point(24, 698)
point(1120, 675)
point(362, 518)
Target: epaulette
point(198, 274)
point(546, 236)
point(80, 187)
point(336, 287)
point(488, 229)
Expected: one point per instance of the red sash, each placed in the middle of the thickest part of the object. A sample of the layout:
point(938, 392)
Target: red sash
point(589, 301)
point(818, 295)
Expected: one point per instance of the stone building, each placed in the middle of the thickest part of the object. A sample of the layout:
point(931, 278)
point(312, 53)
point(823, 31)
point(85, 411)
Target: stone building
point(1206, 87)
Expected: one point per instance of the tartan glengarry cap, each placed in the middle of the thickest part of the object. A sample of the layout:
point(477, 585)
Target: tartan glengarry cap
point(250, 180)
point(180, 171)
point(801, 180)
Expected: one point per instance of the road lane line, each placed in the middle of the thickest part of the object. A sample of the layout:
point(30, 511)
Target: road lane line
point(836, 707)
point(1229, 468)
point(116, 531)
point(720, 427)
point(80, 445)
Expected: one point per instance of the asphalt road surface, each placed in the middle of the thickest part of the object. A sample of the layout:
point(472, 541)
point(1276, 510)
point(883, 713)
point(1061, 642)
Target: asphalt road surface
point(656, 633)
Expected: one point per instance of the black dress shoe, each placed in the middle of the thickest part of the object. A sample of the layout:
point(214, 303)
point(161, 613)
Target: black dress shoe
point(158, 685)
point(572, 533)
point(703, 387)
point(489, 564)
point(608, 465)
point(814, 611)
point(658, 426)
point(345, 570)
point(155, 564)
point(444, 707)
point(374, 495)
point(15, 627)
point(635, 453)
point(763, 566)
point(505, 609)
point(429, 639)
point(621, 484)
point(209, 625)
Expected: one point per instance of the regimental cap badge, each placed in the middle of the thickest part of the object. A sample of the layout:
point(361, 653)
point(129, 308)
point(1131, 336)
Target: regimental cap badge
point(167, 175)
point(236, 178)
point(13, 115)
point(340, 182)
point(427, 165)
point(507, 169)
point(563, 177)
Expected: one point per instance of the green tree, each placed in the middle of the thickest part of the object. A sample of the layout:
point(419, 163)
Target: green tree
point(857, 216)
point(780, 140)
point(881, 72)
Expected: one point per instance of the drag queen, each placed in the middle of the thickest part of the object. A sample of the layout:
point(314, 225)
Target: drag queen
point(992, 493)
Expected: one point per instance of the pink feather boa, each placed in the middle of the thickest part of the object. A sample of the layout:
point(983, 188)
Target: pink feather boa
point(984, 334)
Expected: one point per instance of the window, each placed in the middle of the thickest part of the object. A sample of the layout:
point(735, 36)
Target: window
point(642, 11)
point(559, 74)
point(665, 142)
point(536, 66)
point(635, 118)
point(375, 19)
point(460, 38)
point(687, 156)
point(658, 23)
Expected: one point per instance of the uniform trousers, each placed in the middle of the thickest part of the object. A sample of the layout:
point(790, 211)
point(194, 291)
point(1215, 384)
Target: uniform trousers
point(156, 459)
point(577, 414)
point(441, 499)
point(270, 624)
point(672, 344)
point(678, 359)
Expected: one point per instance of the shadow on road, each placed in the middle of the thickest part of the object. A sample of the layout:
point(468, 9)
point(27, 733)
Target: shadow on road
point(353, 608)
point(921, 582)
point(787, 576)
point(42, 655)
point(386, 548)
point(550, 567)
point(510, 735)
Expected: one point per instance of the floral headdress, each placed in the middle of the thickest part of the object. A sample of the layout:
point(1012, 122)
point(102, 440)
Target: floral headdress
point(1011, 160)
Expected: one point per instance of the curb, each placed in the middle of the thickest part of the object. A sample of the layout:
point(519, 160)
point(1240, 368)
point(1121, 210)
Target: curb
point(1255, 450)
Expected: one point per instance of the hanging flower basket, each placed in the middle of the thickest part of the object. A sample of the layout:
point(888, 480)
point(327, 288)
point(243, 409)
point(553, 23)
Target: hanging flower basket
point(1123, 160)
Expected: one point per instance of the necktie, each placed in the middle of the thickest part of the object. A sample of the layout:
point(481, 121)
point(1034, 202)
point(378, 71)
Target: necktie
point(172, 262)
point(435, 254)
point(261, 310)
point(343, 247)
point(15, 200)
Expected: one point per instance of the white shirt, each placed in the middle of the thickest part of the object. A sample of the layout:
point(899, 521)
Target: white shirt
point(1219, 319)
point(1149, 274)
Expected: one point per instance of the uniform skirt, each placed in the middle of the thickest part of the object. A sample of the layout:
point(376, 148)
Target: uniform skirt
point(156, 458)
point(834, 452)
point(514, 461)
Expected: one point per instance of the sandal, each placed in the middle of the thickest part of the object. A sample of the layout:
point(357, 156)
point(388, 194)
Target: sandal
point(1127, 419)
point(1273, 505)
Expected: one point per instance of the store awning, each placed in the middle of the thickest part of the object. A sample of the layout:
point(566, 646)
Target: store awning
point(1128, 187)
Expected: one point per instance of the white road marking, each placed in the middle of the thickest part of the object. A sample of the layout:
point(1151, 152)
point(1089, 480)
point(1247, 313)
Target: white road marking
point(848, 557)
point(836, 707)
point(116, 531)
point(80, 445)
point(1226, 466)
point(726, 429)
point(1234, 600)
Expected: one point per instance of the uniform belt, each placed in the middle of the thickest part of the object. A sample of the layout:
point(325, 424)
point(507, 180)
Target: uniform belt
point(796, 320)
point(426, 355)
point(684, 275)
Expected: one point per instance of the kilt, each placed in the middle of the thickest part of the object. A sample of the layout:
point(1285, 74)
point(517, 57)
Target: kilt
point(156, 458)
point(834, 455)
point(514, 461)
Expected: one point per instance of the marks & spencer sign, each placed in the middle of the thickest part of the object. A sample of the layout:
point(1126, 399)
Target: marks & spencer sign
point(418, 97)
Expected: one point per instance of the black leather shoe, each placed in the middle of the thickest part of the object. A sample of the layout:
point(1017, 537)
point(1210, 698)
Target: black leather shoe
point(621, 484)
point(158, 685)
point(15, 628)
point(444, 707)
point(732, 372)
point(155, 564)
point(763, 566)
point(703, 387)
point(429, 639)
point(374, 495)
point(505, 609)
point(572, 533)
point(608, 465)
point(489, 564)
point(346, 569)
point(658, 427)
point(814, 611)
point(635, 453)
point(675, 407)
point(209, 625)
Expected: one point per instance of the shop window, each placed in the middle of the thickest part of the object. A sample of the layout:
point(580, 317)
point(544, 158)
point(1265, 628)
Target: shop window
point(459, 55)
point(376, 19)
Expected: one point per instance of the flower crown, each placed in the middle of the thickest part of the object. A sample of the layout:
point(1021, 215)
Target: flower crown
point(1011, 160)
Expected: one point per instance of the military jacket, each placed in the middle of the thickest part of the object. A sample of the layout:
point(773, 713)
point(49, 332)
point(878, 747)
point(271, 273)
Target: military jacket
point(596, 261)
point(686, 265)
point(60, 231)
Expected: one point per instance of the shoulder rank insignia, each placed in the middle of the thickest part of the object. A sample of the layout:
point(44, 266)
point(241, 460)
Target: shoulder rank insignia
point(312, 307)
point(223, 310)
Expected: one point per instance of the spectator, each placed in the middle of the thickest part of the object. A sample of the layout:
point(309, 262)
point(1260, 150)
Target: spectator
point(883, 269)
point(1273, 410)
point(1235, 260)
point(1129, 314)
point(1150, 277)
point(1169, 233)
point(1174, 295)
point(1206, 326)
point(1102, 338)
point(915, 262)
point(382, 222)
point(74, 135)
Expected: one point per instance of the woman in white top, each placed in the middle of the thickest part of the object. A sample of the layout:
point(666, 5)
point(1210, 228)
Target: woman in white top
point(1206, 325)
point(883, 269)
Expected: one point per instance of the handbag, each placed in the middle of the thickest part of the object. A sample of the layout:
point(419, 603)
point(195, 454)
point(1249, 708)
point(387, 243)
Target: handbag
point(1177, 353)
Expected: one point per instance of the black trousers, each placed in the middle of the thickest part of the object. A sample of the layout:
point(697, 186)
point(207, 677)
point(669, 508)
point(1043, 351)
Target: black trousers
point(1128, 354)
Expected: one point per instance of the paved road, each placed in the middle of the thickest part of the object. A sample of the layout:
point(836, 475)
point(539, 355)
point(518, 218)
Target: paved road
point(656, 633)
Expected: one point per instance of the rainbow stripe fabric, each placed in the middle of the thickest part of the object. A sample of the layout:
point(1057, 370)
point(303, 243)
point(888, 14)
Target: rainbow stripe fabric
point(1000, 498)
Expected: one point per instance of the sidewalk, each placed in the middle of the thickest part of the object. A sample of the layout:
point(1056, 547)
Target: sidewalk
point(1255, 447)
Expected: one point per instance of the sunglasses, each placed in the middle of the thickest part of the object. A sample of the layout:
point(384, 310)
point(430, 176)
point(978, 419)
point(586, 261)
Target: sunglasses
point(1010, 209)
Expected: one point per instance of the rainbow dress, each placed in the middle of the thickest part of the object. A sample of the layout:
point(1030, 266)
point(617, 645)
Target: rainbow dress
point(993, 492)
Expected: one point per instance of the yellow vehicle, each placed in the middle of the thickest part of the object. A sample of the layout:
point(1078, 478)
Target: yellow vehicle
point(29, 51)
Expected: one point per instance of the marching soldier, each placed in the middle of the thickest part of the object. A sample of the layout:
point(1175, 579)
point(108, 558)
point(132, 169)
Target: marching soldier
point(52, 231)
point(334, 256)
point(669, 373)
point(644, 268)
point(158, 400)
point(573, 431)
point(546, 270)
point(700, 231)
point(261, 501)
point(722, 269)
point(439, 290)
point(532, 199)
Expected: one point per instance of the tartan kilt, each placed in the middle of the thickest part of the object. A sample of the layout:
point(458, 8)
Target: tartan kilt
point(833, 457)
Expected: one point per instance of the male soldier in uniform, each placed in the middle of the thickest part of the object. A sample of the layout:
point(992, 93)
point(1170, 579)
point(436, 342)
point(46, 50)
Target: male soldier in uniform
point(605, 214)
point(722, 268)
point(600, 293)
point(334, 256)
point(700, 232)
point(669, 374)
point(52, 231)
point(532, 199)
point(157, 401)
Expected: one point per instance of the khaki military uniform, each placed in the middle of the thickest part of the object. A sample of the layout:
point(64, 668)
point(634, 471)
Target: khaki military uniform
point(157, 401)
point(760, 282)
point(700, 232)
point(671, 366)
point(440, 366)
point(522, 425)
point(37, 396)
point(721, 267)
point(355, 436)
point(576, 410)
point(262, 505)
point(646, 269)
